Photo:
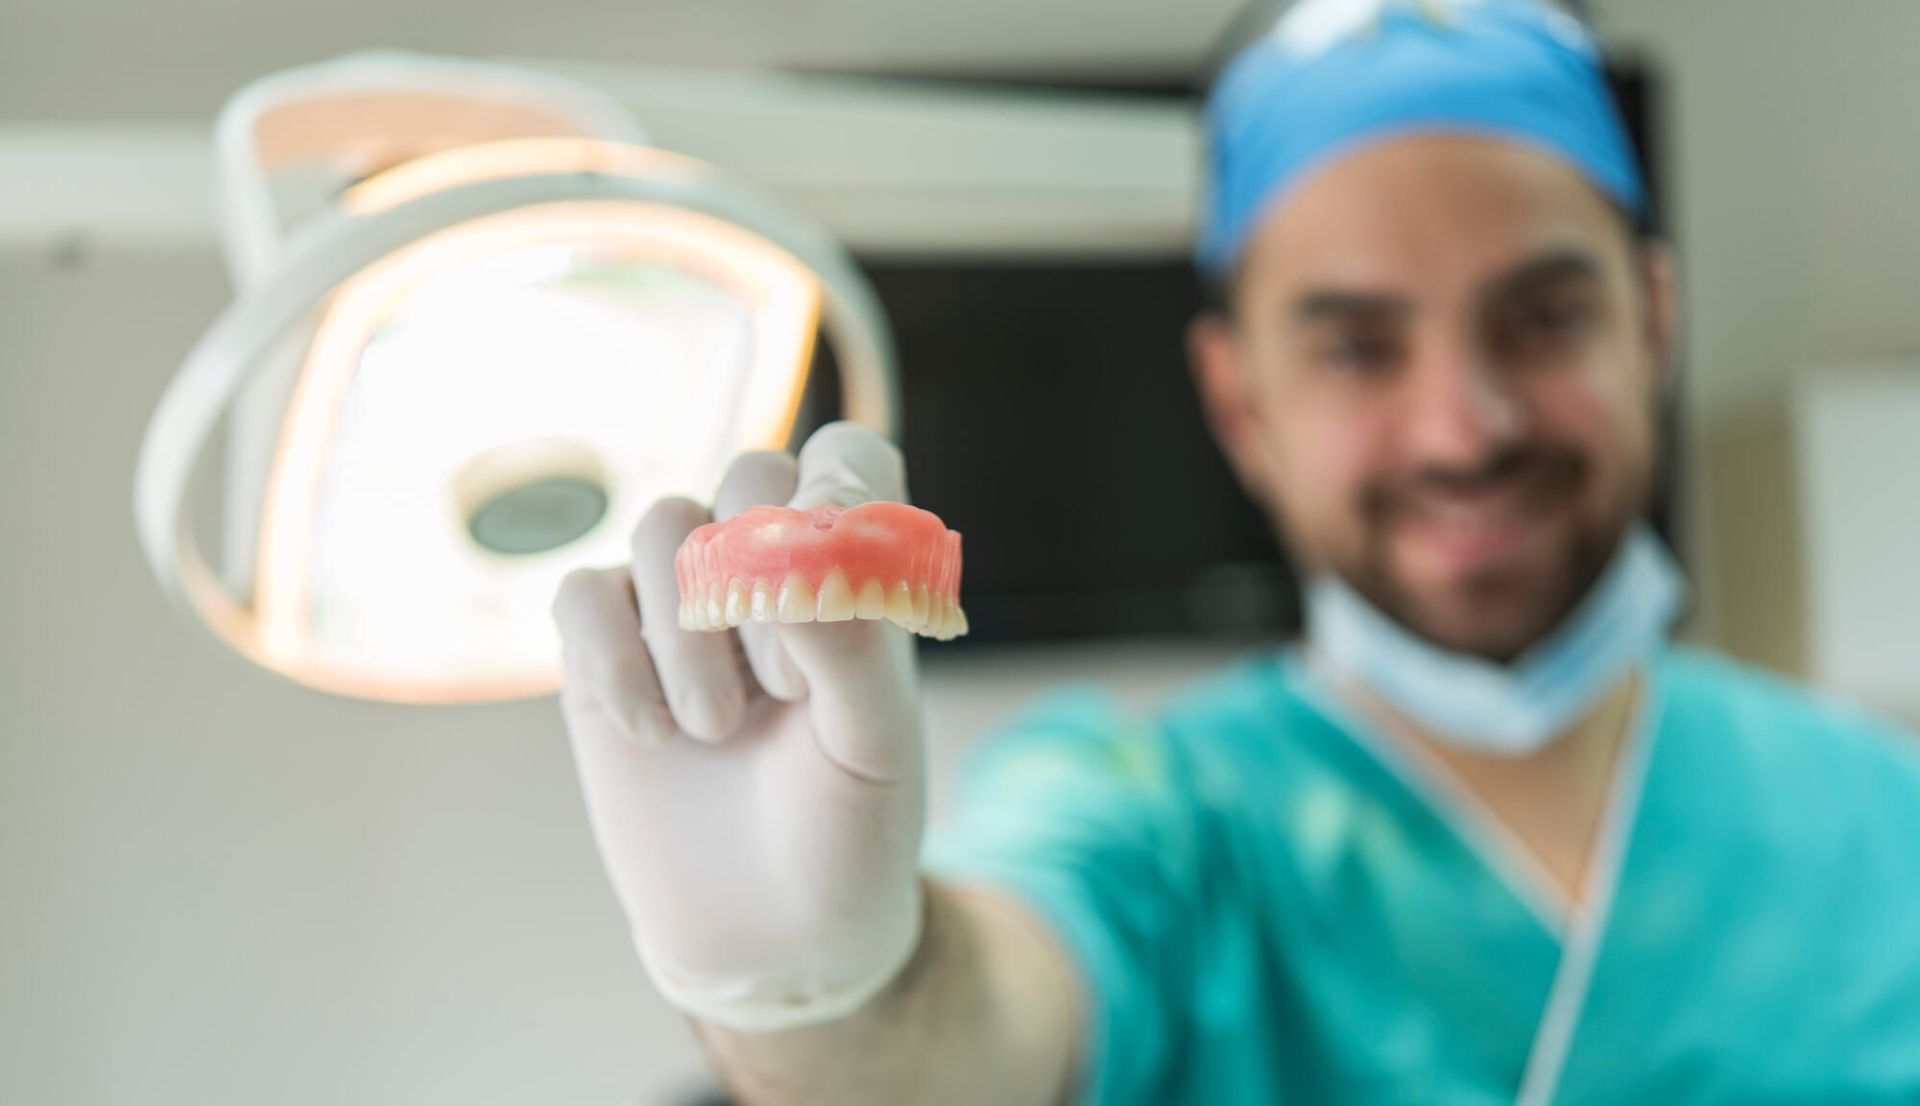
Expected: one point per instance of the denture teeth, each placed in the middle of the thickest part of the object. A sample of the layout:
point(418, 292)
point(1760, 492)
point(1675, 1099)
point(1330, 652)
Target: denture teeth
point(795, 602)
point(922, 608)
point(836, 598)
point(872, 602)
point(900, 602)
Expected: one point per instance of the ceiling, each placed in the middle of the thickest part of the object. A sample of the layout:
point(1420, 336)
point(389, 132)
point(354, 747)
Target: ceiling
point(128, 60)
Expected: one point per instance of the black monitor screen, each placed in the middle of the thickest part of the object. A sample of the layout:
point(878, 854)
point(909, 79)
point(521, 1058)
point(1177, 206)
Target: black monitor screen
point(1049, 416)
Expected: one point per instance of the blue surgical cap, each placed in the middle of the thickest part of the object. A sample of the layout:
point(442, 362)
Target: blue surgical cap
point(1333, 75)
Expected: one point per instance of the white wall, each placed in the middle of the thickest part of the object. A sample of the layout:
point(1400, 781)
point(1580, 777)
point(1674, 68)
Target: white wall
point(1795, 170)
point(1854, 435)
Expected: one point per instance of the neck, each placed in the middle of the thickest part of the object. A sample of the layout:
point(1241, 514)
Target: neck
point(1554, 798)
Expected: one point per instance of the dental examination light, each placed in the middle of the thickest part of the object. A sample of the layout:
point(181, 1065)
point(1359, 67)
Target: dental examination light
point(499, 326)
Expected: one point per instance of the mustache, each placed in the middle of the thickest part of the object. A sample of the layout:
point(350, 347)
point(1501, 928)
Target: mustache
point(1540, 470)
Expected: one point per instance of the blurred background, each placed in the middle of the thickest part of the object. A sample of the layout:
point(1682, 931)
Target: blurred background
point(217, 886)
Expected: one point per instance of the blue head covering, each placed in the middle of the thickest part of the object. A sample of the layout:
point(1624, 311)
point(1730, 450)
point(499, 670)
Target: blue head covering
point(1333, 75)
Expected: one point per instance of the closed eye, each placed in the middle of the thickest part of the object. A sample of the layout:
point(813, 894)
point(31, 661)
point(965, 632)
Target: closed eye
point(1365, 352)
point(1544, 323)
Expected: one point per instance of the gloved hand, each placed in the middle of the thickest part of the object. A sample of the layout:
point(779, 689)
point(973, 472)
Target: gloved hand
point(757, 795)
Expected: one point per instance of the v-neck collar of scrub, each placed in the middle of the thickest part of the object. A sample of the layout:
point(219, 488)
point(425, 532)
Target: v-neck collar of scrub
point(1577, 927)
point(1481, 833)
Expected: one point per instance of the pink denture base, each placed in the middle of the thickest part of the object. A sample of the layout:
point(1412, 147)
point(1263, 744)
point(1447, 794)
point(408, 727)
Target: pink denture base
point(884, 541)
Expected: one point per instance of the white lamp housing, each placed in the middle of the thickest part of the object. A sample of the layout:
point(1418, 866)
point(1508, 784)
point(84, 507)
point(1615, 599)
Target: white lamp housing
point(509, 328)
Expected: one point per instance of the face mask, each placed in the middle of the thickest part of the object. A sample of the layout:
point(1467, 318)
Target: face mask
point(1517, 708)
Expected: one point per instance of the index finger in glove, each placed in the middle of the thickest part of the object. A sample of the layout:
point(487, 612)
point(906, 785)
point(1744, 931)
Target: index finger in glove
point(698, 671)
point(754, 479)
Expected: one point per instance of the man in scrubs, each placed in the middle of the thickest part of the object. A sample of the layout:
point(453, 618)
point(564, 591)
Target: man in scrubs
point(1484, 836)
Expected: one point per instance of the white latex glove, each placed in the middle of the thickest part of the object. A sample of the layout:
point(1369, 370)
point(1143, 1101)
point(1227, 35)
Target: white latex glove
point(757, 795)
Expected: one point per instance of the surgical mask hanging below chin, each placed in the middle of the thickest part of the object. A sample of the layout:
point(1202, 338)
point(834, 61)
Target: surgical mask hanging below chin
point(1513, 709)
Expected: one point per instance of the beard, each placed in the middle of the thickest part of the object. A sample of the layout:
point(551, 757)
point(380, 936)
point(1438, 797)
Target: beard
point(1494, 613)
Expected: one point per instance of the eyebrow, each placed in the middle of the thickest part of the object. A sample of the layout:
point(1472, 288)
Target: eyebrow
point(1328, 304)
point(1566, 263)
point(1336, 304)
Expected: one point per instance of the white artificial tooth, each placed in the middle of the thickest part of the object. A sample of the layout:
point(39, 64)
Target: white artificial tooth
point(688, 621)
point(872, 602)
point(936, 616)
point(762, 603)
point(835, 601)
point(795, 603)
point(716, 611)
point(900, 603)
point(919, 606)
point(960, 615)
point(736, 603)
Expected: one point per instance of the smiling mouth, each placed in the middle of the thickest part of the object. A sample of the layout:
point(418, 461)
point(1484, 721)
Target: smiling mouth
point(1467, 515)
point(1480, 521)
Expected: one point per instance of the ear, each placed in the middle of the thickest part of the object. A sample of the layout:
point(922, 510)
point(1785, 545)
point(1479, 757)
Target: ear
point(1215, 353)
point(1663, 309)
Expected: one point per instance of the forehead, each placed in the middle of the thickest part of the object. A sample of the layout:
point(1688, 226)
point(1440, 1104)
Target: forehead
point(1425, 215)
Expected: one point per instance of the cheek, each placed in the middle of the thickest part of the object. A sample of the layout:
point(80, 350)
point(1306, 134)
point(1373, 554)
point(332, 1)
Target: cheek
point(1321, 457)
point(1606, 414)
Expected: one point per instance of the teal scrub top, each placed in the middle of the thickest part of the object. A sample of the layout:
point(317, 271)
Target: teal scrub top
point(1271, 903)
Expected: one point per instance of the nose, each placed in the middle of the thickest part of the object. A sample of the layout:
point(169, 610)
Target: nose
point(1460, 409)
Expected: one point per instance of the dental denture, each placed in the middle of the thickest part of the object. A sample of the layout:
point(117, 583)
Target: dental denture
point(829, 564)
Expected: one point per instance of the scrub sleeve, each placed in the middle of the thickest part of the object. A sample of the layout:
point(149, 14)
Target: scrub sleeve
point(1075, 810)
